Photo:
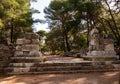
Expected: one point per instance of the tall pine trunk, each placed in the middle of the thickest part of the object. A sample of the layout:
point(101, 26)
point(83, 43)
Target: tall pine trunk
point(65, 38)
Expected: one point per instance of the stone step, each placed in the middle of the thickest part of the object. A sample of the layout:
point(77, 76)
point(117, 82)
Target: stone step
point(99, 58)
point(37, 69)
point(58, 68)
point(62, 72)
point(39, 64)
point(62, 63)
point(27, 55)
point(27, 59)
point(46, 64)
point(61, 67)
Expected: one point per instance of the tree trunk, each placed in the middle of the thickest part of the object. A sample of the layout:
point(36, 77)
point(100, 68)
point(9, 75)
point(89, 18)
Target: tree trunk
point(66, 43)
point(12, 30)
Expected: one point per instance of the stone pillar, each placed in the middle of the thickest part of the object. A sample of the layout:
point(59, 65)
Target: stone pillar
point(27, 54)
point(28, 46)
point(109, 47)
point(100, 48)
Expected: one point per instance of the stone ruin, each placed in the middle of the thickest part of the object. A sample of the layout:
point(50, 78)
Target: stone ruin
point(28, 46)
point(27, 53)
point(28, 59)
point(100, 48)
point(5, 54)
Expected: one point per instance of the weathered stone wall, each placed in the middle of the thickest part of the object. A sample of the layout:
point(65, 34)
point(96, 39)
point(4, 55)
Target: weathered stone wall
point(28, 46)
point(5, 53)
point(101, 48)
point(27, 52)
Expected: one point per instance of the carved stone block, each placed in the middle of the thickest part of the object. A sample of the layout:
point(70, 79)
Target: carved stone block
point(23, 41)
point(31, 47)
point(20, 41)
point(18, 53)
point(109, 47)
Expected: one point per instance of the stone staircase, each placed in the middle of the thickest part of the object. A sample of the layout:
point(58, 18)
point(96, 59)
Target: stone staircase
point(26, 50)
point(28, 59)
point(62, 65)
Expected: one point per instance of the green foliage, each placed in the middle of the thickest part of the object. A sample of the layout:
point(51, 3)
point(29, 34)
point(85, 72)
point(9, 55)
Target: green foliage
point(81, 41)
point(68, 19)
point(54, 40)
point(42, 33)
point(15, 16)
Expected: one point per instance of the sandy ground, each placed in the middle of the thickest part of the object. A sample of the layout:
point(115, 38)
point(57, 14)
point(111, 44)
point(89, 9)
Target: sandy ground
point(78, 78)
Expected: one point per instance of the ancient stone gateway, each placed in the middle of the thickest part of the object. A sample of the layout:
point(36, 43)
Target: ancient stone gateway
point(100, 48)
point(28, 59)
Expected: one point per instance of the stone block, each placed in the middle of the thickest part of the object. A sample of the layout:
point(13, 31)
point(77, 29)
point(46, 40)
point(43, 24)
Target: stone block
point(108, 41)
point(17, 69)
point(27, 69)
point(100, 58)
point(28, 41)
point(110, 53)
point(28, 64)
point(31, 36)
point(109, 47)
point(117, 66)
point(26, 52)
point(5, 52)
point(18, 53)
point(23, 41)
point(31, 47)
point(3, 47)
point(20, 41)
point(35, 53)
point(22, 64)
point(95, 53)
point(102, 53)
point(18, 64)
point(21, 69)
point(108, 62)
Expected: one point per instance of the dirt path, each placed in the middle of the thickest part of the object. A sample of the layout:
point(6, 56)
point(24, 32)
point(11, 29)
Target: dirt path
point(78, 78)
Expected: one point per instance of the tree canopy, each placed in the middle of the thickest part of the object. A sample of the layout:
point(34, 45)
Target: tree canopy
point(15, 17)
point(73, 19)
point(70, 21)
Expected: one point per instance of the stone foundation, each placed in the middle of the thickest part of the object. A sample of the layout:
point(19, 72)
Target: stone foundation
point(101, 56)
point(27, 51)
point(100, 48)
point(5, 54)
point(28, 46)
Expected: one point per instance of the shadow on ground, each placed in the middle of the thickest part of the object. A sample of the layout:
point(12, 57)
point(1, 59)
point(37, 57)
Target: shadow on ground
point(78, 78)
